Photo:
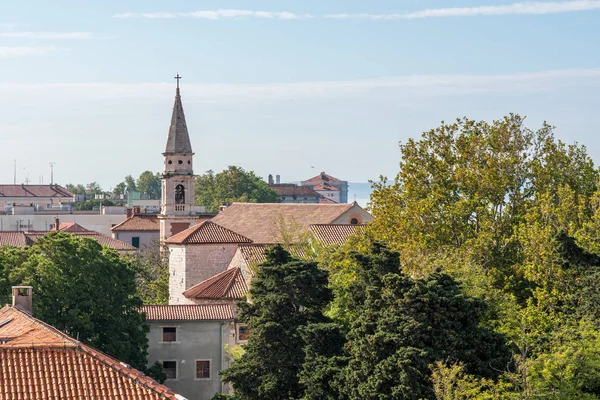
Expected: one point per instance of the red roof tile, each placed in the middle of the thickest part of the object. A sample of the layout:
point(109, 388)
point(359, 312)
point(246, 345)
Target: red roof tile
point(34, 191)
point(289, 189)
point(263, 222)
point(325, 187)
point(229, 284)
point(70, 227)
point(254, 254)
point(14, 239)
point(38, 361)
point(325, 200)
point(138, 223)
point(322, 177)
point(207, 232)
point(189, 312)
point(330, 234)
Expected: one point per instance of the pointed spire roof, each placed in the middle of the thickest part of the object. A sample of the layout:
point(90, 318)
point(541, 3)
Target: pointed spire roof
point(179, 140)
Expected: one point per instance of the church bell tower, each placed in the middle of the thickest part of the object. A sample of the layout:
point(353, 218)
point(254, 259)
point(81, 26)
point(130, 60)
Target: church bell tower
point(177, 208)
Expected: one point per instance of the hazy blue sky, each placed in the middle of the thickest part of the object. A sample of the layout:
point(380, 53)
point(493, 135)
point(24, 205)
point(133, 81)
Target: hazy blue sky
point(280, 86)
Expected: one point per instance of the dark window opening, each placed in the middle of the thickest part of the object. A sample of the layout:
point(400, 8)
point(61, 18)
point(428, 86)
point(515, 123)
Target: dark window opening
point(170, 162)
point(135, 242)
point(179, 194)
point(170, 368)
point(179, 162)
point(202, 369)
point(169, 334)
point(243, 332)
point(354, 221)
point(189, 162)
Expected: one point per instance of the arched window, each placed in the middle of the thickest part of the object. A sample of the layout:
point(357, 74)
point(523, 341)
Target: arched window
point(354, 221)
point(179, 194)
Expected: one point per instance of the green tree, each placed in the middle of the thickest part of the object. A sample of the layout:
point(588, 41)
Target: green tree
point(93, 188)
point(75, 189)
point(149, 185)
point(232, 185)
point(93, 204)
point(153, 274)
point(130, 184)
point(87, 291)
point(287, 295)
point(404, 325)
point(120, 189)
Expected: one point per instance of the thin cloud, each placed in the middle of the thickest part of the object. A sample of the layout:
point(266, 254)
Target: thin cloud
point(528, 8)
point(24, 51)
point(221, 14)
point(53, 35)
point(522, 8)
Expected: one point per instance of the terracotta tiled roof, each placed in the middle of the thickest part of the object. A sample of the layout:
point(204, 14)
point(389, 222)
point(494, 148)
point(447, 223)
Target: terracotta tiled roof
point(263, 223)
point(325, 187)
point(289, 189)
point(325, 200)
point(14, 239)
point(330, 234)
point(322, 177)
point(229, 284)
point(39, 362)
point(70, 227)
point(189, 312)
point(138, 223)
point(34, 191)
point(254, 254)
point(207, 232)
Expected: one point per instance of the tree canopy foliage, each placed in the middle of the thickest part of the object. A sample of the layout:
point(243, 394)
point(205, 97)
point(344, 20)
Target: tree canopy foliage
point(232, 185)
point(83, 289)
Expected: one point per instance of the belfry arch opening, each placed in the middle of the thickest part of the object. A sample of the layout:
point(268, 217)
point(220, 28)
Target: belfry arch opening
point(179, 194)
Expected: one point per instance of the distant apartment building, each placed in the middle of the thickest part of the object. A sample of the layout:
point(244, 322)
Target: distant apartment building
point(292, 193)
point(329, 187)
point(41, 197)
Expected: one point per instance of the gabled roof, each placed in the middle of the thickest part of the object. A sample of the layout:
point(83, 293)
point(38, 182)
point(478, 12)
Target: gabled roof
point(290, 189)
point(14, 239)
point(34, 191)
point(207, 232)
point(70, 227)
point(38, 361)
point(325, 187)
point(228, 285)
point(322, 177)
point(263, 222)
point(330, 234)
point(178, 141)
point(138, 222)
point(189, 312)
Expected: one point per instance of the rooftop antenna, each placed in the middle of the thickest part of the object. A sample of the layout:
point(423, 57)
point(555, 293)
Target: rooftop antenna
point(52, 172)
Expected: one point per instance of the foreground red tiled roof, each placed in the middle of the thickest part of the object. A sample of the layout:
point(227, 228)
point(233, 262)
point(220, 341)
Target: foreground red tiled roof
point(189, 312)
point(14, 239)
point(138, 223)
point(70, 227)
point(34, 191)
point(322, 187)
point(207, 232)
point(39, 362)
point(254, 254)
point(229, 284)
point(289, 189)
point(264, 223)
point(322, 177)
point(337, 234)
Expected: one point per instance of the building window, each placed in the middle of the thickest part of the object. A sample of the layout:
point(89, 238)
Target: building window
point(169, 334)
point(179, 162)
point(170, 162)
point(179, 194)
point(170, 368)
point(135, 242)
point(202, 369)
point(354, 221)
point(243, 332)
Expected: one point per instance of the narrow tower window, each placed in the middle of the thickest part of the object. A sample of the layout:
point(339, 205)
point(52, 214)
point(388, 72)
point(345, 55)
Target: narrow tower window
point(179, 194)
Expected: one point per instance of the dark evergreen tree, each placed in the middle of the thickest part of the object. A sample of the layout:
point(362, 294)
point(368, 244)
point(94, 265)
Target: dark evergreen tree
point(286, 295)
point(404, 325)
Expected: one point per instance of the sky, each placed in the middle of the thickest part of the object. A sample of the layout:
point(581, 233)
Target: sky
point(281, 87)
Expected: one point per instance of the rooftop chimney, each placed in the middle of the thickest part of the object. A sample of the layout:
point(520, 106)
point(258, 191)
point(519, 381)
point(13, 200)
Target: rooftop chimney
point(22, 298)
point(277, 179)
point(128, 212)
point(270, 179)
point(56, 223)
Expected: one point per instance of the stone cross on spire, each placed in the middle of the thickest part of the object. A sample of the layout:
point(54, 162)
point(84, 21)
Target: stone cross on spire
point(178, 78)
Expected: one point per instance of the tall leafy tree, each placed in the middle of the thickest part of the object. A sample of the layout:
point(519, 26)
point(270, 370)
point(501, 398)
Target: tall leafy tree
point(288, 295)
point(75, 189)
point(130, 184)
point(405, 324)
point(93, 188)
point(232, 185)
point(149, 184)
point(87, 291)
point(120, 189)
